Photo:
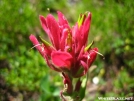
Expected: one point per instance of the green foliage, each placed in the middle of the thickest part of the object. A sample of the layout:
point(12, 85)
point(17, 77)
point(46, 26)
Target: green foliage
point(111, 29)
point(49, 91)
point(26, 74)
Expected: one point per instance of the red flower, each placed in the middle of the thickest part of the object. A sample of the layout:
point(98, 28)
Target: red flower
point(68, 52)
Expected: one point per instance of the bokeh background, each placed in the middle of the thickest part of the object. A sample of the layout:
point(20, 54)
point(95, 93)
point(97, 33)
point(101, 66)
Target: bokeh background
point(24, 75)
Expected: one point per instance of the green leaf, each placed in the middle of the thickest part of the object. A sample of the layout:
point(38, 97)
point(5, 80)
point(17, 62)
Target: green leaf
point(83, 87)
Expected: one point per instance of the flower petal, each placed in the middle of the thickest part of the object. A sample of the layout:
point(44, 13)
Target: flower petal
point(86, 27)
point(54, 30)
point(62, 59)
point(45, 53)
point(47, 47)
point(77, 37)
point(61, 19)
point(45, 26)
point(85, 66)
point(63, 39)
point(36, 43)
point(93, 55)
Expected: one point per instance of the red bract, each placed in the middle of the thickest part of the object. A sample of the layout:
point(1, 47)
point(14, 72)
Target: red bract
point(68, 52)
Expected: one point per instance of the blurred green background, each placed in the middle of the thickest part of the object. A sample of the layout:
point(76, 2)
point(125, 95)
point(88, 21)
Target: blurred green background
point(24, 76)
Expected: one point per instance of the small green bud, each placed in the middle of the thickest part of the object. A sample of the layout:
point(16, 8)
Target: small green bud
point(44, 41)
point(89, 46)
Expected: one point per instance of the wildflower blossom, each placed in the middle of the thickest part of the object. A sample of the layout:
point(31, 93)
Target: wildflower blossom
point(68, 52)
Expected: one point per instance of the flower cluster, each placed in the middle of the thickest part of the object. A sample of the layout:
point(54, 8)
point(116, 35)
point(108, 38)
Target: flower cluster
point(68, 52)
